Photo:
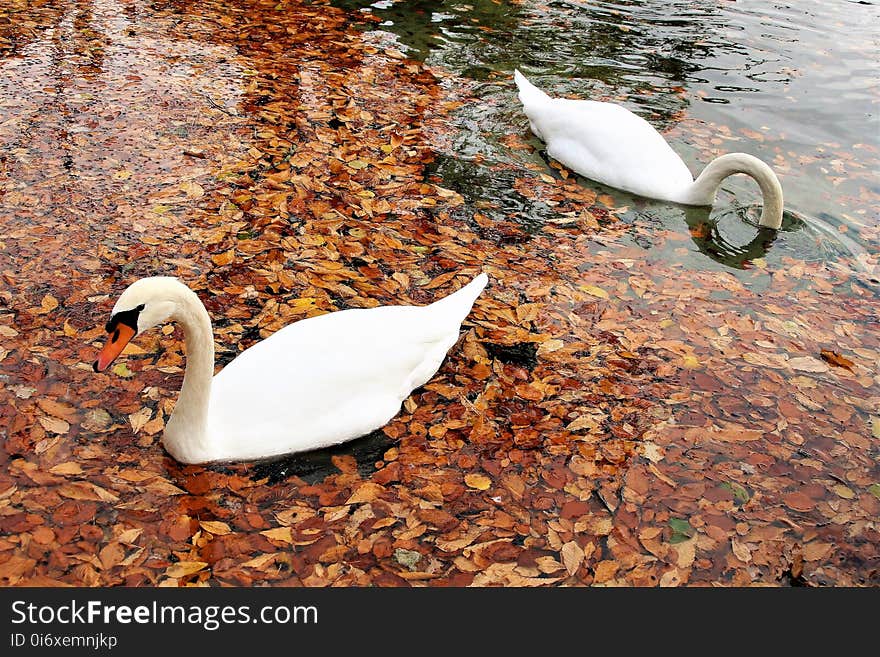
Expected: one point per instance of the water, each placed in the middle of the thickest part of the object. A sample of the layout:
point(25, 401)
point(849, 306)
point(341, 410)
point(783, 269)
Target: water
point(792, 83)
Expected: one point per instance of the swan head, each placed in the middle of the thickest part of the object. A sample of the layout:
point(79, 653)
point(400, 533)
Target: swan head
point(143, 305)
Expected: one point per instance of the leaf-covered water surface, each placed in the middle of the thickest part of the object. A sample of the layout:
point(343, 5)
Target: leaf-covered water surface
point(608, 417)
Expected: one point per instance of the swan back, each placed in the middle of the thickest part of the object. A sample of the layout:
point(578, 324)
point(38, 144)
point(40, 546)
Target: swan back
point(330, 378)
point(605, 142)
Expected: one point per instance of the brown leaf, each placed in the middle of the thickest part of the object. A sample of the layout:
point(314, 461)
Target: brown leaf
point(836, 359)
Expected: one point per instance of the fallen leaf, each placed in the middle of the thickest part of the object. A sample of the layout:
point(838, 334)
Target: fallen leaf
point(184, 568)
point(284, 534)
point(478, 481)
point(836, 359)
point(215, 527)
point(572, 557)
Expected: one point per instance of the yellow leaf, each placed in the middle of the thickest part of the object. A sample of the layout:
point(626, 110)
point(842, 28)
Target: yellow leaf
point(66, 468)
point(593, 290)
point(215, 527)
point(690, 362)
point(192, 189)
point(163, 487)
point(224, 258)
point(121, 369)
point(184, 568)
point(366, 492)
point(130, 535)
point(844, 492)
point(478, 481)
point(259, 561)
point(49, 303)
point(284, 534)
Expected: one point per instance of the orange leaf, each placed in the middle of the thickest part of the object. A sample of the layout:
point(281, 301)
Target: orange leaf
point(478, 481)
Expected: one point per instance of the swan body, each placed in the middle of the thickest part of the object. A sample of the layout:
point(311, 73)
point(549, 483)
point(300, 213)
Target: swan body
point(609, 144)
point(314, 383)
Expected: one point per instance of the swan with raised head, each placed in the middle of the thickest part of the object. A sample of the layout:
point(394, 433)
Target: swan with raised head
point(607, 143)
point(314, 383)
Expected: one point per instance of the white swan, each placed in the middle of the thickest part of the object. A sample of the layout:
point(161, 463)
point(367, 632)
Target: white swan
point(609, 144)
point(314, 383)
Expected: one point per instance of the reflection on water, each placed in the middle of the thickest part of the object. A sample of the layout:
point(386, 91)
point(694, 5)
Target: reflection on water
point(788, 82)
point(713, 237)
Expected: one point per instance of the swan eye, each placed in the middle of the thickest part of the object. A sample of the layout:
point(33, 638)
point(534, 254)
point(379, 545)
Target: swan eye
point(127, 317)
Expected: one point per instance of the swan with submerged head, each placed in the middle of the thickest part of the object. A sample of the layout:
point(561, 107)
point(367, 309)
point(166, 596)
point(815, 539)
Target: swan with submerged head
point(314, 383)
point(607, 143)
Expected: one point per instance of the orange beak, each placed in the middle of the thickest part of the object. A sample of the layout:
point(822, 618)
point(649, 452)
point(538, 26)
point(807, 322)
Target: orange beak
point(120, 337)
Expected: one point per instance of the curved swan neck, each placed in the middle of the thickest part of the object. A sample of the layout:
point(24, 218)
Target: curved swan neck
point(186, 431)
point(703, 191)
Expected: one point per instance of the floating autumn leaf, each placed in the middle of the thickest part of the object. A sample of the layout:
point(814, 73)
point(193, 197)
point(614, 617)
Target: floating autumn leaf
point(572, 557)
point(843, 491)
point(807, 364)
point(215, 527)
point(139, 419)
point(605, 570)
point(129, 536)
point(260, 561)
point(681, 530)
point(816, 551)
point(740, 494)
point(836, 359)
point(798, 501)
point(54, 424)
point(594, 291)
point(57, 409)
point(47, 305)
point(121, 369)
point(741, 550)
point(66, 468)
point(477, 481)
point(366, 492)
point(283, 534)
point(184, 568)
point(225, 258)
point(83, 490)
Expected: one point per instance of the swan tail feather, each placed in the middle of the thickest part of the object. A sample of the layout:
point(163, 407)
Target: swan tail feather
point(528, 93)
point(455, 307)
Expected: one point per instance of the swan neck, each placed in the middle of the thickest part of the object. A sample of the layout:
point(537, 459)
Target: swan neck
point(703, 191)
point(185, 434)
